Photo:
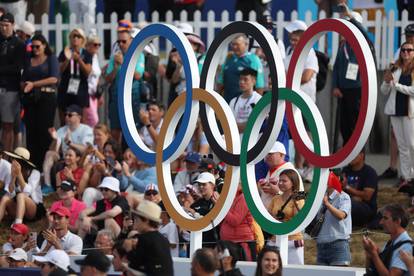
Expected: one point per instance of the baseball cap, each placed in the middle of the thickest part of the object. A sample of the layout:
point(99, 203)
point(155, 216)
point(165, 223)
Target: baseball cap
point(18, 254)
point(193, 157)
point(185, 27)
point(124, 25)
point(96, 259)
point(206, 177)
point(207, 163)
point(278, 147)
point(57, 257)
point(151, 187)
point(68, 185)
point(111, 183)
point(61, 211)
point(409, 30)
point(7, 17)
point(74, 108)
point(27, 27)
point(296, 25)
point(20, 228)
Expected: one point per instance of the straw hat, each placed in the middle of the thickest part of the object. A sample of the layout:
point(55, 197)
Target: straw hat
point(149, 210)
point(21, 154)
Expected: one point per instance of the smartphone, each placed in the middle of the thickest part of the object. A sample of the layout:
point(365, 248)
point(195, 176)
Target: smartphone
point(33, 236)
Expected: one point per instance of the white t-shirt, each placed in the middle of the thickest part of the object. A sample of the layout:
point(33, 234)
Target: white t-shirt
point(32, 187)
point(71, 243)
point(5, 173)
point(146, 136)
point(170, 232)
point(82, 135)
point(242, 107)
point(311, 63)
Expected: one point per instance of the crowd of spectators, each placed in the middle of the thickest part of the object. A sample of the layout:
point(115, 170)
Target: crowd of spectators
point(107, 201)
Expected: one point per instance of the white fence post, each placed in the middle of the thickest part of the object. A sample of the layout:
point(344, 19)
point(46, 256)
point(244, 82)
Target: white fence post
point(384, 29)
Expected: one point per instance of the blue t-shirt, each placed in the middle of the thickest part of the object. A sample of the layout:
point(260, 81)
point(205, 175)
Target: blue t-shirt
point(332, 228)
point(230, 73)
point(396, 261)
point(48, 69)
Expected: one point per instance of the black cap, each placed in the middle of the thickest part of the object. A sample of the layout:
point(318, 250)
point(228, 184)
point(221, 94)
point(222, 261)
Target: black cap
point(74, 108)
point(409, 30)
point(7, 17)
point(207, 164)
point(96, 259)
point(68, 185)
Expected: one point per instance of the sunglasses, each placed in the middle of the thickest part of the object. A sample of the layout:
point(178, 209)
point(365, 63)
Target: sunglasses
point(70, 114)
point(77, 36)
point(120, 41)
point(97, 44)
point(151, 193)
point(408, 50)
point(35, 46)
point(104, 189)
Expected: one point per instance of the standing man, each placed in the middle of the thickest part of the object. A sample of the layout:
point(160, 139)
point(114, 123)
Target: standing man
point(150, 253)
point(388, 261)
point(243, 104)
point(12, 53)
point(239, 59)
point(112, 77)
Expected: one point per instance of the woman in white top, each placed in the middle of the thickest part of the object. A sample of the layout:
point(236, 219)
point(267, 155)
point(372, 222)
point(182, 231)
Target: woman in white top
point(24, 196)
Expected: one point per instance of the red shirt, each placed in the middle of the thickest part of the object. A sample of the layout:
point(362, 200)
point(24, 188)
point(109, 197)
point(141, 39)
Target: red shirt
point(77, 175)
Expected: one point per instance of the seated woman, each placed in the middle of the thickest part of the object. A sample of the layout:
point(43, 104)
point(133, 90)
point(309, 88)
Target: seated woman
point(284, 207)
point(96, 171)
point(135, 175)
point(24, 196)
point(71, 171)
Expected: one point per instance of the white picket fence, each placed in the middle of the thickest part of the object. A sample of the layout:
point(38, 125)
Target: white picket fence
point(384, 28)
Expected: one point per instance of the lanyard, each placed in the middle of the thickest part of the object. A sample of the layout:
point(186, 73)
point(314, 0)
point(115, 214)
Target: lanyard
point(346, 52)
point(72, 67)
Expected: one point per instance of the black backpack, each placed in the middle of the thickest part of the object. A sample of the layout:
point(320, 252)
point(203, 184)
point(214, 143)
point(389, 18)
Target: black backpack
point(385, 256)
point(323, 61)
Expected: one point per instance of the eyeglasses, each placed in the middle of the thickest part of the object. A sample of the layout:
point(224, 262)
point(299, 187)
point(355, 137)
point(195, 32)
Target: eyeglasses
point(121, 41)
point(70, 114)
point(408, 50)
point(35, 46)
point(97, 44)
point(77, 36)
point(151, 193)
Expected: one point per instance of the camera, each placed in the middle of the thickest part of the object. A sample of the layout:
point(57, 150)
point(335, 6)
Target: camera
point(280, 215)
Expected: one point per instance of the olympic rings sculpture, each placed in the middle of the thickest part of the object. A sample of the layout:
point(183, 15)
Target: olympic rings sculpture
point(200, 99)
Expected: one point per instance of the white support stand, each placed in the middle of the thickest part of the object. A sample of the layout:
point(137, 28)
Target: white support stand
point(282, 243)
point(196, 241)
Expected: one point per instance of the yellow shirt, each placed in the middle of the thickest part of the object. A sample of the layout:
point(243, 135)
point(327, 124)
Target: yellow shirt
point(290, 210)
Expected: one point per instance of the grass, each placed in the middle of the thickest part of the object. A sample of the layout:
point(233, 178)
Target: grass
point(386, 194)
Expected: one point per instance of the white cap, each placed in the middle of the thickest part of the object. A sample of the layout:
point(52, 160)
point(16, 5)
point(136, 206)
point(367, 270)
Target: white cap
point(357, 16)
point(278, 147)
point(18, 254)
point(185, 27)
point(57, 257)
point(206, 177)
point(111, 183)
point(296, 25)
point(27, 27)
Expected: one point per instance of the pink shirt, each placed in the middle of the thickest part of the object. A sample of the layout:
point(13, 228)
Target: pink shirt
point(75, 209)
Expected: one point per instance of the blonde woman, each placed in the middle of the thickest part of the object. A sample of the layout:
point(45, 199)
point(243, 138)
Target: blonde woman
point(398, 84)
point(75, 64)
